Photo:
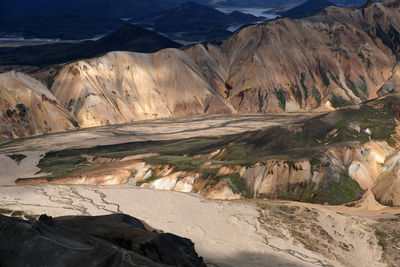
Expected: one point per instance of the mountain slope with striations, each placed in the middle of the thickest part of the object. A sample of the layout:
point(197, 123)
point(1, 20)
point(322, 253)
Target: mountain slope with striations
point(336, 58)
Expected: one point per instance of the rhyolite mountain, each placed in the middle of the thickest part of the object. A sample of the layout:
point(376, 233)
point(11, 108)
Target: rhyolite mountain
point(110, 240)
point(337, 58)
point(127, 37)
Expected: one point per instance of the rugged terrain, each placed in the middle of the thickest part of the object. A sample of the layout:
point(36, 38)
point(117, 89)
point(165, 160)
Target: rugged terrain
point(337, 58)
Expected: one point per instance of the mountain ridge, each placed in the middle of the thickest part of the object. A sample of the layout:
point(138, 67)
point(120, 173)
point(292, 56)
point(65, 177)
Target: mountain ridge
point(334, 61)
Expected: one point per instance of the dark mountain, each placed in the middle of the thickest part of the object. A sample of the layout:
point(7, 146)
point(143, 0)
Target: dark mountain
point(111, 240)
point(192, 18)
point(127, 38)
point(267, 3)
point(65, 27)
point(133, 38)
point(88, 8)
point(307, 9)
point(71, 19)
point(350, 3)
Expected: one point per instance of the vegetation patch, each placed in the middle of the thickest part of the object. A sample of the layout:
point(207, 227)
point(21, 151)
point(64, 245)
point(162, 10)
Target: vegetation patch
point(350, 84)
point(324, 76)
point(57, 166)
point(181, 163)
point(17, 157)
point(153, 177)
point(16, 214)
point(298, 96)
point(281, 95)
point(344, 190)
point(260, 101)
point(263, 206)
point(363, 85)
point(337, 101)
point(303, 85)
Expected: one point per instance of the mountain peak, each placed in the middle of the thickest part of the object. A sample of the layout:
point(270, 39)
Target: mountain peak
point(309, 8)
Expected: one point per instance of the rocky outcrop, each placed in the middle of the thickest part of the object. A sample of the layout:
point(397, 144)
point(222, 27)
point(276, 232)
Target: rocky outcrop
point(113, 240)
point(341, 174)
point(387, 188)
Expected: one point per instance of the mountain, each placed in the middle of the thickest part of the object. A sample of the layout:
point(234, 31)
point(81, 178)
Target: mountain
point(87, 8)
point(192, 18)
point(307, 9)
point(267, 3)
point(110, 240)
point(339, 57)
point(63, 27)
point(71, 19)
point(127, 38)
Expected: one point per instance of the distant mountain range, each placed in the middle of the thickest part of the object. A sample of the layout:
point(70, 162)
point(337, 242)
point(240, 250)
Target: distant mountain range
point(267, 3)
point(309, 8)
point(85, 8)
point(127, 38)
point(192, 18)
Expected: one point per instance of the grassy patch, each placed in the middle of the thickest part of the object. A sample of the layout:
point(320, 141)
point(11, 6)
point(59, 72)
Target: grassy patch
point(153, 177)
point(238, 183)
point(181, 163)
point(59, 166)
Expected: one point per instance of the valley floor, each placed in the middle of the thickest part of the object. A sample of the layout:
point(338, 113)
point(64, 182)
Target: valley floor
point(225, 233)
point(153, 130)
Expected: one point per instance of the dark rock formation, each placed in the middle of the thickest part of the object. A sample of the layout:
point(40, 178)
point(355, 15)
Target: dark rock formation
point(113, 240)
